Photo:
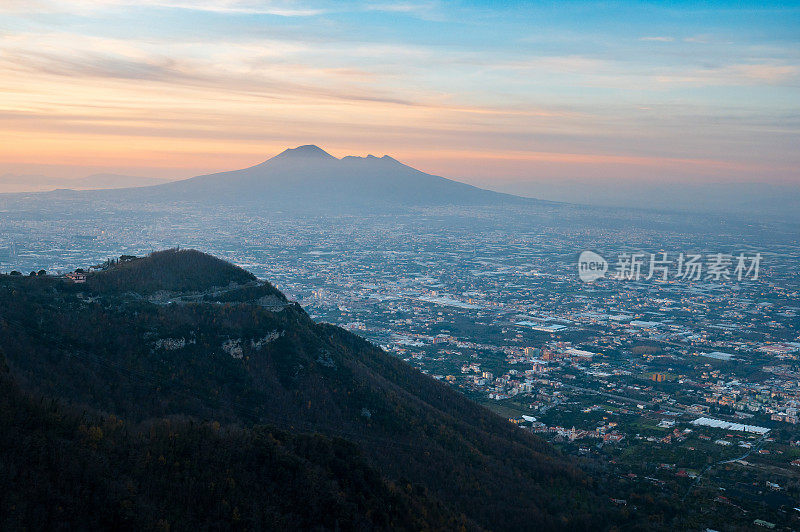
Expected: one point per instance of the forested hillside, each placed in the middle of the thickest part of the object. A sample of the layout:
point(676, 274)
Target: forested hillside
point(177, 363)
point(62, 468)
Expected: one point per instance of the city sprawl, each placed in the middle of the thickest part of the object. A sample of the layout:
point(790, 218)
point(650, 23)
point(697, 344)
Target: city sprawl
point(674, 382)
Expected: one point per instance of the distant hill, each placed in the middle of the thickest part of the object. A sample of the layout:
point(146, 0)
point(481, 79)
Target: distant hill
point(188, 392)
point(761, 201)
point(12, 183)
point(308, 178)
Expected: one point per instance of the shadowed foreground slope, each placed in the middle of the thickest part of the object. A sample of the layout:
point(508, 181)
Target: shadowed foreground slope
point(182, 336)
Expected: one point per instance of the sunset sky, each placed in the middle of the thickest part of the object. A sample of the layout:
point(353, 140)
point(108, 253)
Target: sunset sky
point(651, 91)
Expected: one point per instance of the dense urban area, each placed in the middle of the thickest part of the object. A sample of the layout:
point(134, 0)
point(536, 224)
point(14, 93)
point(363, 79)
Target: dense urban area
point(685, 384)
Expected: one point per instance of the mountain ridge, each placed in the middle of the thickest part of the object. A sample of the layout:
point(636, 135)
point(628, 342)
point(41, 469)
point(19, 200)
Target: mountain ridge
point(308, 176)
point(306, 150)
point(308, 179)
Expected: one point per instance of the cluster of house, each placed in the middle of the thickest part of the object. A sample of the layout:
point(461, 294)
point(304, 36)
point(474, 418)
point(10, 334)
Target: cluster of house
point(607, 432)
point(76, 277)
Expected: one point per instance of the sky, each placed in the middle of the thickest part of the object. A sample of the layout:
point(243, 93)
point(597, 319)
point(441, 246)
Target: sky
point(488, 92)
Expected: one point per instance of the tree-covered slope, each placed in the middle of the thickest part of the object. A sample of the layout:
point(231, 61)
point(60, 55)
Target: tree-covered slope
point(61, 469)
point(180, 270)
point(239, 354)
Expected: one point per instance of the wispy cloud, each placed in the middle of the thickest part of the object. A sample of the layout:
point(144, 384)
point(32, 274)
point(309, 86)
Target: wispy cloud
point(236, 6)
point(402, 7)
point(181, 81)
point(768, 73)
point(253, 7)
point(428, 11)
point(557, 64)
point(746, 74)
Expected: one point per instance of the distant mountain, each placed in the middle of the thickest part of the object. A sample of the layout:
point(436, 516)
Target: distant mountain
point(40, 183)
point(308, 178)
point(751, 200)
point(177, 390)
point(97, 181)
